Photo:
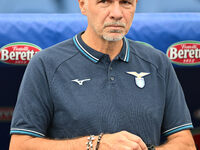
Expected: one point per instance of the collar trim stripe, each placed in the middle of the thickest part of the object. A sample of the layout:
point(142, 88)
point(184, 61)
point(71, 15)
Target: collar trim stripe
point(126, 58)
point(85, 52)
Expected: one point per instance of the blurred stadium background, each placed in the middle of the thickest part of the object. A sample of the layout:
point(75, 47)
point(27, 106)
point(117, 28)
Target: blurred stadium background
point(71, 6)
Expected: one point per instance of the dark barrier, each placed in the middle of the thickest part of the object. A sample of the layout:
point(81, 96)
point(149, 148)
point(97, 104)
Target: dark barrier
point(159, 30)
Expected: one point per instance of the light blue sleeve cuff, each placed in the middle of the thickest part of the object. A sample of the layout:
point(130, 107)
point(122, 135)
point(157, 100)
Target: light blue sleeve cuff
point(177, 129)
point(26, 132)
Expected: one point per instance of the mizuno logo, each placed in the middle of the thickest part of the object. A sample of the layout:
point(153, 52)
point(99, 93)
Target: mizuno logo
point(80, 82)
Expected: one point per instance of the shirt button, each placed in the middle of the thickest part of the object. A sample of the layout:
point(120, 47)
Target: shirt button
point(112, 78)
point(110, 68)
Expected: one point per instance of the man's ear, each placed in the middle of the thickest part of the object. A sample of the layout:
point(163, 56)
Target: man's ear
point(83, 6)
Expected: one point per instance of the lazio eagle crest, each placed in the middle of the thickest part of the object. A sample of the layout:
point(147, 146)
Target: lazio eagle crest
point(139, 80)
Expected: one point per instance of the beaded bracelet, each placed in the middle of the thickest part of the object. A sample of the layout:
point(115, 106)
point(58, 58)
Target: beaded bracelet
point(90, 142)
point(98, 141)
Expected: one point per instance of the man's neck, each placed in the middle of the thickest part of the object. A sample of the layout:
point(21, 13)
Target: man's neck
point(103, 46)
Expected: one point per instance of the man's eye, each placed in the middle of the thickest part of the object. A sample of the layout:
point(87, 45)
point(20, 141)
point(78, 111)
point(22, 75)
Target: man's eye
point(102, 1)
point(125, 2)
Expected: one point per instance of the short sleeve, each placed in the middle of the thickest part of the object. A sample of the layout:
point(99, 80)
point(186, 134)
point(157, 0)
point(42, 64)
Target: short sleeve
point(176, 114)
point(33, 110)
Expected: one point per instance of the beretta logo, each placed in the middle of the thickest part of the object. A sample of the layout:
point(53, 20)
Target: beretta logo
point(185, 53)
point(18, 53)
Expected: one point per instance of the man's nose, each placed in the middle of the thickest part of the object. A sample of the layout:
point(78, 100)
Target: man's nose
point(116, 11)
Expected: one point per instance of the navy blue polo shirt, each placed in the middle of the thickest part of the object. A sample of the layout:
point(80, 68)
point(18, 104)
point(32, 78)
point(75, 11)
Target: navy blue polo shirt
point(71, 90)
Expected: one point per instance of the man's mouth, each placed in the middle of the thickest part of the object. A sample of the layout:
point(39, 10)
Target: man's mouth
point(114, 25)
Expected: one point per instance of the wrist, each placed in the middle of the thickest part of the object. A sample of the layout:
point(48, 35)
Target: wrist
point(104, 142)
point(93, 142)
point(98, 141)
point(158, 148)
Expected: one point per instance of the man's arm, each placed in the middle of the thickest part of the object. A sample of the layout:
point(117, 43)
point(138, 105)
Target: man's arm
point(120, 141)
point(179, 141)
point(25, 142)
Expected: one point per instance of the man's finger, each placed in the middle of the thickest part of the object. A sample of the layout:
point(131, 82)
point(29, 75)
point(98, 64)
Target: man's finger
point(135, 138)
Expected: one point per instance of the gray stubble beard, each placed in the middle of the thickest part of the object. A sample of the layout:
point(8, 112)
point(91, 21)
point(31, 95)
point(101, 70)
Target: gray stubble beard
point(113, 39)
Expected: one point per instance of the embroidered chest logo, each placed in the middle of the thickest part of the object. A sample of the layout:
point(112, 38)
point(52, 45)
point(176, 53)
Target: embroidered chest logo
point(80, 82)
point(139, 80)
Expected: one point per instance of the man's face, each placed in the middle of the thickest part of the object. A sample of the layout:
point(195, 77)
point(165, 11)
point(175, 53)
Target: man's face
point(109, 19)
